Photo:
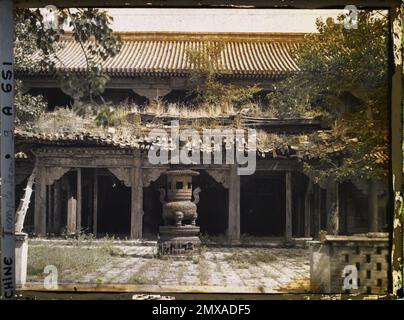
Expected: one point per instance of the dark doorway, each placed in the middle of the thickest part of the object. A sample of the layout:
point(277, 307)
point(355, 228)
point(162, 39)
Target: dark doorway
point(212, 206)
point(153, 208)
point(114, 206)
point(354, 209)
point(300, 184)
point(54, 96)
point(263, 204)
point(87, 193)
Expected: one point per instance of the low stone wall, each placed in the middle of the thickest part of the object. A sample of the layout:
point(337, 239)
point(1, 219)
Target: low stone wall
point(21, 258)
point(350, 264)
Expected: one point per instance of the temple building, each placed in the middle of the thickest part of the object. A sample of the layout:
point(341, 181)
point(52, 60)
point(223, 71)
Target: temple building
point(104, 183)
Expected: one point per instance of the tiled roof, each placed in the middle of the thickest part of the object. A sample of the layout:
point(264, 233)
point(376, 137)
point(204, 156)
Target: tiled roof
point(79, 139)
point(260, 55)
point(271, 145)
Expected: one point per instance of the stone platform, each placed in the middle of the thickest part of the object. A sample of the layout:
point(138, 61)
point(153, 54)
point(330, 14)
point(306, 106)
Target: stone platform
point(214, 269)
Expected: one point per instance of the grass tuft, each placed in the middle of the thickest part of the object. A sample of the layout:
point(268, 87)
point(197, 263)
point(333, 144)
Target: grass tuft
point(245, 260)
point(72, 259)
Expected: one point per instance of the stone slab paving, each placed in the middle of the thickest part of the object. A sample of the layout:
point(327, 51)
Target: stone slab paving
point(265, 269)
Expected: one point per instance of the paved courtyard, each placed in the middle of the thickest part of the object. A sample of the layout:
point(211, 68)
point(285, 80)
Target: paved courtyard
point(270, 270)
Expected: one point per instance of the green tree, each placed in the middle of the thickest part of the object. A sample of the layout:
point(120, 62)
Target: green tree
point(89, 27)
point(343, 75)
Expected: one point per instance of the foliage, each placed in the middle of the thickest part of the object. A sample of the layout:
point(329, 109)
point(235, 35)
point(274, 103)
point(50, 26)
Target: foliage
point(63, 120)
point(28, 108)
point(104, 114)
point(205, 82)
point(343, 75)
point(89, 27)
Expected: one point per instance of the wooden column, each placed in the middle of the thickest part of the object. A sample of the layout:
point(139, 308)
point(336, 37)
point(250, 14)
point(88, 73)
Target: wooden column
point(233, 231)
point(50, 208)
point(57, 214)
point(136, 228)
point(95, 202)
point(288, 189)
point(79, 202)
point(40, 202)
point(373, 207)
point(317, 210)
point(71, 210)
point(298, 220)
point(71, 215)
point(332, 208)
point(307, 210)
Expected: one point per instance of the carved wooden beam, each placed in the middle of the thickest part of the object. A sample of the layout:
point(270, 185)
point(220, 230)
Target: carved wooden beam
point(151, 175)
point(54, 173)
point(220, 176)
point(122, 174)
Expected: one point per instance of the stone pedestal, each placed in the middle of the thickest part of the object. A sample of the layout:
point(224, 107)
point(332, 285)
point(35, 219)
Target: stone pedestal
point(21, 258)
point(178, 240)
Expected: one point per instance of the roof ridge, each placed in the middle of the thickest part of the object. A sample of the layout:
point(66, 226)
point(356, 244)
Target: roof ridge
point(203, 36)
